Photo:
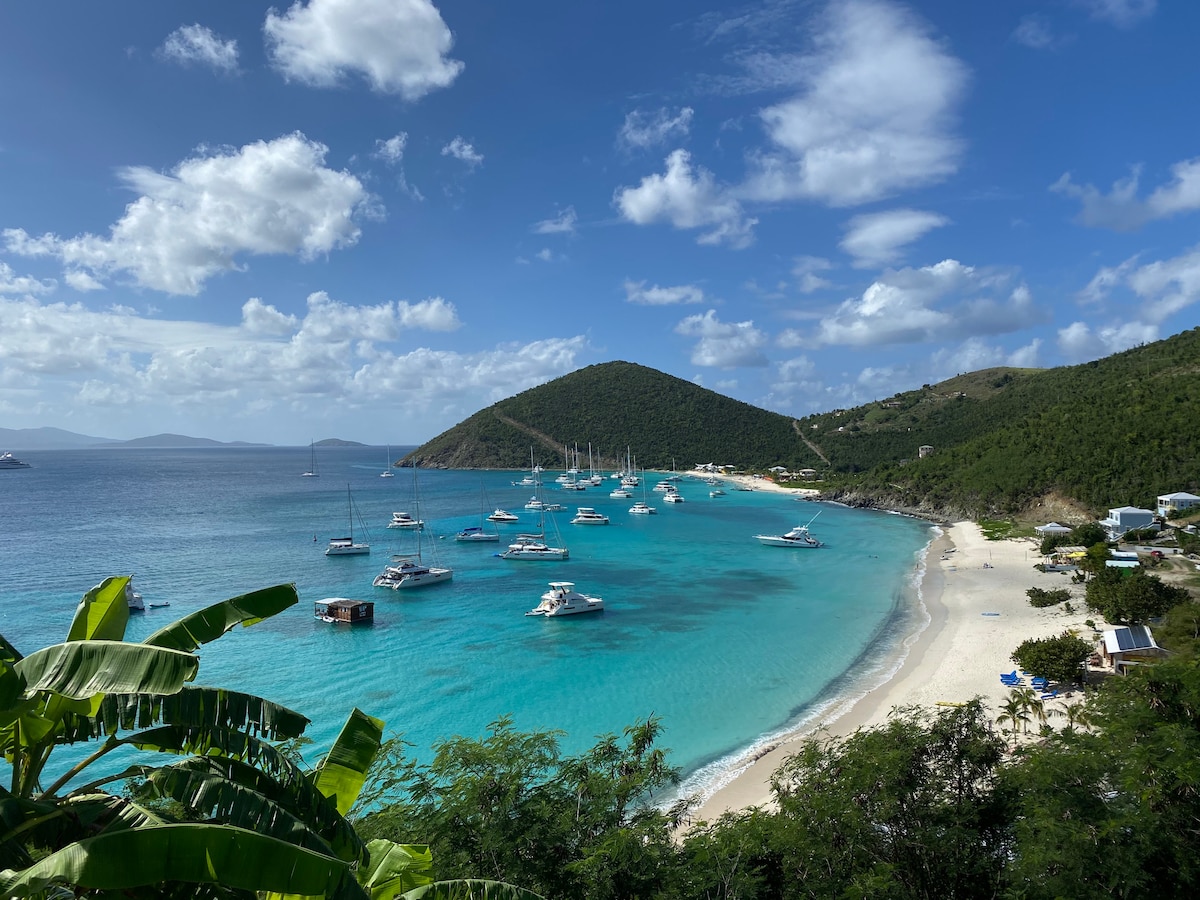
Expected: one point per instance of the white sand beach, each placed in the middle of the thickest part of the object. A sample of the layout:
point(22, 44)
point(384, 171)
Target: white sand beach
point(978, 613)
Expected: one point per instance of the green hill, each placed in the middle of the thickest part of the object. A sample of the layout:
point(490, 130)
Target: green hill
point(612, 406)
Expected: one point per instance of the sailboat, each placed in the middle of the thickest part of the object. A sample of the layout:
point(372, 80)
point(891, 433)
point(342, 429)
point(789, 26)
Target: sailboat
point(346, 546)
point(642, 508)
point(480, 533)
point(312, 466)
point(387, 469)
point(408, 570)
point(534, 546)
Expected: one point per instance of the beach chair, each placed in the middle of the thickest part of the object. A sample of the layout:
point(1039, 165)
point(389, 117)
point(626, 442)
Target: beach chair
point(1011, 682)
point(1040, 683)
point(1048, 695)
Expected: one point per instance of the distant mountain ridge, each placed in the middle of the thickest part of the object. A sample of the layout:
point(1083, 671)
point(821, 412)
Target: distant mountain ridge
point(48, 439)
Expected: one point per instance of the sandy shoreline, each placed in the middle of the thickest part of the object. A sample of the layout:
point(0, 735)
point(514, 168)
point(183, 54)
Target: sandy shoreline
point(975, 614)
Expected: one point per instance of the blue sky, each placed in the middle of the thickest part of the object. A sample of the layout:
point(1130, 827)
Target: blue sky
point(371, 218)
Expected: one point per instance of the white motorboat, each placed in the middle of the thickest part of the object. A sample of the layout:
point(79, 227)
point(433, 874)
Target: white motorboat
point(347, 546)
point(502, 515)
point(404, 520)
point(585, 515)
point(672, 496)
point(410, 572)
point(641, 508)
point(8, 461)
point(476, 534)
point(535, 504)
point(133, 599)
point(563, 600)
point(797, 537)
point(716, 492)
point(664, 486)
point(533, 546)
point(621, 494)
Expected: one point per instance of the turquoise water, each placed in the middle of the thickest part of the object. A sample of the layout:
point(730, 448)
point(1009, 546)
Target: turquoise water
point(726, 640)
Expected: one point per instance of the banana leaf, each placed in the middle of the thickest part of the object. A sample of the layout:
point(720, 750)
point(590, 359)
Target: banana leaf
point(195, 706)
point(341, 773)
point(103, 612)
point(395, 868)
point(470, 889)
point(200, 854)
point(78, 670)
point(213, 621)
point(234, 793)
point(11, 684)
point(219, 742)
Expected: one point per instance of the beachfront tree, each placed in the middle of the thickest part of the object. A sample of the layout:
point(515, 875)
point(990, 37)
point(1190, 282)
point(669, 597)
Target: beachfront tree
point(1058, 659)
point(1013, 712)
point(250, 818)
point(1133, 598)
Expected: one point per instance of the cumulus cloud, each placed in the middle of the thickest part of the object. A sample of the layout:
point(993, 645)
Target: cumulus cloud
point(198, 45)
point(461, 150)
point(1034, 31)
point(1122, 13)
point(398, 46)
point(79, 360)
point(1079, 342)
point(974, 354)
point(875, 116)
point(723, 344)
point(1122, 210)
point(637, 292)
point(12, 284)
point(935, 303)
point(269, 197)
point(644, 129)
point(687, 198)
point(391, 151)
point(805, 271)
point(563, 223)
point(878, 239)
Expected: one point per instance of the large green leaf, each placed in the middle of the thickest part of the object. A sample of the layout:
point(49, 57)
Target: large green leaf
point(470, 889)
point(213, 621)
point(11, 684)
point(79, 670)
point(395, 868)
point(192, 706)
point(103, 612)
point(341, 774)
point(203, 854)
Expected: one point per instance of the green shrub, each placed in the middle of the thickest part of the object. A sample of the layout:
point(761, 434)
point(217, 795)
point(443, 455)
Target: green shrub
point(1040, 598)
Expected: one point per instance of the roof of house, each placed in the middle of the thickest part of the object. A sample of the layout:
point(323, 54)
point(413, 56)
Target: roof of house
point(1128, 639)
point(1131, 509)
point(1178, 495)
point(1053, 526)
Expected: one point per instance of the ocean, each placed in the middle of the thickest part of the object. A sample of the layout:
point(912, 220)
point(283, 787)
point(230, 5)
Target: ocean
point(730, 643)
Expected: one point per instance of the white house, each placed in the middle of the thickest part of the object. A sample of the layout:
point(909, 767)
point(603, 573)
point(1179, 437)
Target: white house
point(1180, 500)
point(1052, 528)
point(1126, 518)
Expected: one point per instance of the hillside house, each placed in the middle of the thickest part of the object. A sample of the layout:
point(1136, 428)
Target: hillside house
point(924, 450)
point(1179, 501)
point(1126, 518)
point(808, 474)
point(1129, 646)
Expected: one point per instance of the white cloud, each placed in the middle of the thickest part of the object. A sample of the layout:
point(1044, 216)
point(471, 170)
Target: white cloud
point(190, 44)
point(876, 115)
point(398, 46)
point(1122, 210)
point(563, 223)
point(974, 354)
point(935, 303)
point(12, 284)
point(687, 198)
point(877, 239)
point(1122, 13)
point(1105, 280)
point(461, 150)
point(805, 270)
point(82, 281)
point(269, 197)
point(643, 130)
point(1163, 288)
point(391, 151)
point(637, 292)
point(1034, 31)
point(723, 344)
point(1078, 342)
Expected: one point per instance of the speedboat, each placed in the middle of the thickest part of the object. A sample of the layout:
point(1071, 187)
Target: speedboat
point(585, 515)
point(563, 600)
point(797, 537)
point(404, 520)
point(409, 573)
point(716, 492)
point(8, 461)
point(502, 515)
point(476, 534)
point(642, 509)
point(532, 546)
point(621, 494)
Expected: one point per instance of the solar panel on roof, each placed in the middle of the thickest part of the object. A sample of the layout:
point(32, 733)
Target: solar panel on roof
point(1136, 637)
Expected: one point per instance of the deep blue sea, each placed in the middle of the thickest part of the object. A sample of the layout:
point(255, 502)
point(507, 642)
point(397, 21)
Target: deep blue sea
point(727, 641)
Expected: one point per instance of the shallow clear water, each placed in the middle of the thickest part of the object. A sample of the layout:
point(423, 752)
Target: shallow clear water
point(724, 639)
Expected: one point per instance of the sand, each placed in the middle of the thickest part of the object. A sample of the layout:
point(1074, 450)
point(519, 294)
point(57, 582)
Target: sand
point(973, 592)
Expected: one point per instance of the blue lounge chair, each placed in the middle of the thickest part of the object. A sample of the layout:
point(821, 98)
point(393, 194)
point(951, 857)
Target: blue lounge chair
point(1048, 695)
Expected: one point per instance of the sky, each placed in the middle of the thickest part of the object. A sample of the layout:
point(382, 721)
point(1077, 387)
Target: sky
point(369, 219)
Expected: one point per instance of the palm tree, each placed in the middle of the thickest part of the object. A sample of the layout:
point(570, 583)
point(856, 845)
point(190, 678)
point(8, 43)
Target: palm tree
point(1030, 704)
point(255, 820)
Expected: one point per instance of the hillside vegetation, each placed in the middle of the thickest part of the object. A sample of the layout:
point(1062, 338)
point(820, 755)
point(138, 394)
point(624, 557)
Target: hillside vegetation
point(1112, 432)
